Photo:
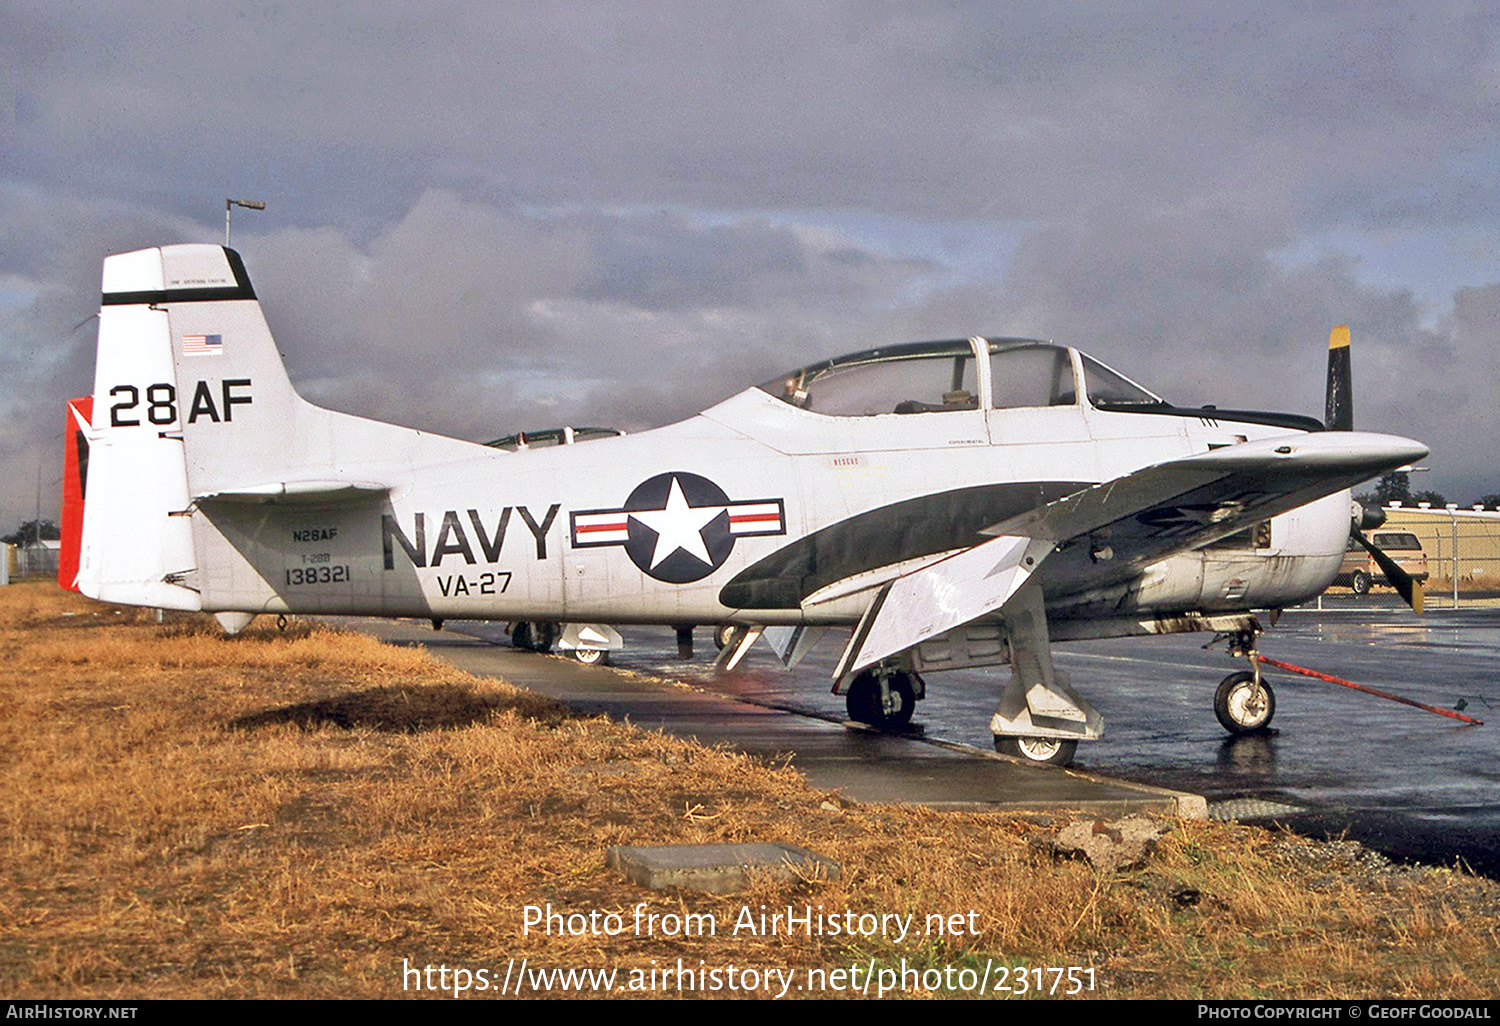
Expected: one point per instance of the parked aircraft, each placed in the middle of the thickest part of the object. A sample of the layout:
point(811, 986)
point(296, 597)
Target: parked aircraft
point(957, 503)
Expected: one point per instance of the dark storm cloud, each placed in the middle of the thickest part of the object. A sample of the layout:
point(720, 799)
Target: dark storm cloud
point(942, 110)
point(663, 262)
point(485, 217)
point(477, 320)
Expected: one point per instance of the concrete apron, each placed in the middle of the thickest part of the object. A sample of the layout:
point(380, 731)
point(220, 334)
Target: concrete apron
point(861, 765)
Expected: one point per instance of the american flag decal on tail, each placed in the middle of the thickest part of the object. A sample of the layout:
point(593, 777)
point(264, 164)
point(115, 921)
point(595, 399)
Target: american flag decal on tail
point(202, 345)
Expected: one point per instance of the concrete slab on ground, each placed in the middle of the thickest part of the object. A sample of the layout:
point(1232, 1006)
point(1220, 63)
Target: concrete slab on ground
point(716, 868)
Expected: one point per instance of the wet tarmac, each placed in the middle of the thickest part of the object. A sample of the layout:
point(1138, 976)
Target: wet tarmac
point(1409, 783)
point(858, 764)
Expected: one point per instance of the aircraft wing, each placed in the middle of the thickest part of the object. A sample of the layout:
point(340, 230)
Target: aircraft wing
point(1149, 514)
point(1111, 531)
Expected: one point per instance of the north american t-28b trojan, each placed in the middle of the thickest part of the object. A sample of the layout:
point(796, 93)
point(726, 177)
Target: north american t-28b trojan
point(957, 503)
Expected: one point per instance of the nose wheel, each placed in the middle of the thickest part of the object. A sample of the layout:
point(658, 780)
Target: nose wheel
point(1244, 704)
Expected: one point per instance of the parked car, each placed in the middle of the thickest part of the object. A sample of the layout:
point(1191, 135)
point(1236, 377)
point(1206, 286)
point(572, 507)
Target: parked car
point(1360, 570)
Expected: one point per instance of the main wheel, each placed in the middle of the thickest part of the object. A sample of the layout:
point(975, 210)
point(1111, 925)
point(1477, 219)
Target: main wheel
point(1045, 751)
point(544, 636)
point(1359, 582)
point(864, 704)
point(520, 635)
point(1241, 707)
point(591, 656)
point(722, 634)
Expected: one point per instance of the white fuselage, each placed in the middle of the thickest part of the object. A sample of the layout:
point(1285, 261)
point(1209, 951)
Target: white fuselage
point(497, 536)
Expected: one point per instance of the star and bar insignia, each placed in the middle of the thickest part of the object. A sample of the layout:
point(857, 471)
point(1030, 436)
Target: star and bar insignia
point(678, 527)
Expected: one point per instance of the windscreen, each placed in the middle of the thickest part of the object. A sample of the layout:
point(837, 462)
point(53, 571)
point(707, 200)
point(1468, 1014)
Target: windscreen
point(1107, 387)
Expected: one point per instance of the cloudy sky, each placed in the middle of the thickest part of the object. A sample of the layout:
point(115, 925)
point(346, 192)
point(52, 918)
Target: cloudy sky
point(485, 217)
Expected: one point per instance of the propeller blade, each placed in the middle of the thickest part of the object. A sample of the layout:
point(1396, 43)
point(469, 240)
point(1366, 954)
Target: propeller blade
point(1407, 586)
point(1339, 415)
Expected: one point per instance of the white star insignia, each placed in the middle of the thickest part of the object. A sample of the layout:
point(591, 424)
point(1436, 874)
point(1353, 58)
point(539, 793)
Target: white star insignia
point(678, 526)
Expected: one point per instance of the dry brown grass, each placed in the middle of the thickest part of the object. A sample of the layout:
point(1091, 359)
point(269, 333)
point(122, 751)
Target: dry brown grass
point(186, 815)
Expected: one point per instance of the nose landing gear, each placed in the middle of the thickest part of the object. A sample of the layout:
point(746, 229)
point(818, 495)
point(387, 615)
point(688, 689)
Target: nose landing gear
point(1244, 702)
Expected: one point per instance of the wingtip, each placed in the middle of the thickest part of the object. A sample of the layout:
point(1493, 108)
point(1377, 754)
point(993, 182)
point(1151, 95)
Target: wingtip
point(1339, 337)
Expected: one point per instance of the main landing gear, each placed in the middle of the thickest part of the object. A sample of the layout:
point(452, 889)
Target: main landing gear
point(533, 637)
point(1244, 702)
point(883, 697)
point(1040, 718)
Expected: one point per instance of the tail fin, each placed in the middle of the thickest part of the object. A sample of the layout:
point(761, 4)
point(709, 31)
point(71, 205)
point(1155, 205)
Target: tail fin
point(194, 417)
point(220, 388)
point(131, 547)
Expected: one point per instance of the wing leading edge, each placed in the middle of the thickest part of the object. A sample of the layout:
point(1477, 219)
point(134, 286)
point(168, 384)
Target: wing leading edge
point(1113, 530)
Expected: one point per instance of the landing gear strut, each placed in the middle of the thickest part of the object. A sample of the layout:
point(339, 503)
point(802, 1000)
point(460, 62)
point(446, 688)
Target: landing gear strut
point(1039, 718)
point(534, 637)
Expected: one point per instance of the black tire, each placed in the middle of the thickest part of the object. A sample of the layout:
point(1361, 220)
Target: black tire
point(520, 635)
point(1043, 751)
point(864, 705)
point(1359, 582)
point(544, 636)
point(721, 635)
point(1238, 710)
point(591, 656)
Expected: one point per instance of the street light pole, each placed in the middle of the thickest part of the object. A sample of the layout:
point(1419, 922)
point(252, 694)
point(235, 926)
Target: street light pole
point(247, 204)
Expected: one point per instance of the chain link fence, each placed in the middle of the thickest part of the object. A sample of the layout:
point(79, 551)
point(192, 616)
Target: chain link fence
point(35, 560)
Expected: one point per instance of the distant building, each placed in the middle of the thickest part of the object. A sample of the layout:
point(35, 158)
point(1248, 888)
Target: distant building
point(1454, 539)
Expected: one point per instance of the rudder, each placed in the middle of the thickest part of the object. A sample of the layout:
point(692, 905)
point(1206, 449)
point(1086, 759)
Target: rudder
point(77, 424)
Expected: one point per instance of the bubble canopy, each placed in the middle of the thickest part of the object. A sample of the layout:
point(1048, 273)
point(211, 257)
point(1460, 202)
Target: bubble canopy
point(946, 377)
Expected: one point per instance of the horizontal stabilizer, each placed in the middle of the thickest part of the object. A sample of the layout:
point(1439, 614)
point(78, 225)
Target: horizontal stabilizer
point(299, 493)
point(940, 597)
